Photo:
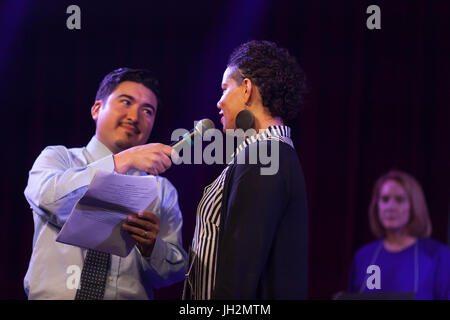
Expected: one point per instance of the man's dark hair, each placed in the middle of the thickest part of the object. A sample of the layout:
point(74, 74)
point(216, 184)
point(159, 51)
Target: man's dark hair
point(278, 76)
point(114, 78)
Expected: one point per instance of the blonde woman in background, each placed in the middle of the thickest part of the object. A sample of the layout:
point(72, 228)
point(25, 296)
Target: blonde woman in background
point(408, 260)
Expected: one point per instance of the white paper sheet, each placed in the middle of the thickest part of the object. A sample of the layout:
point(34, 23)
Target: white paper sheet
point(95, 221)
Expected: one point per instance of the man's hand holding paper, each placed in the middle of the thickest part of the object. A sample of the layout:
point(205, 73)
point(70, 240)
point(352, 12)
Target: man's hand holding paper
point(143, 227)
point(107, 217)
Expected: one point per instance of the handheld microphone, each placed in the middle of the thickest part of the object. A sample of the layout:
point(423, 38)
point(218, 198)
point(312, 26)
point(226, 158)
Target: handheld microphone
point(188, 139)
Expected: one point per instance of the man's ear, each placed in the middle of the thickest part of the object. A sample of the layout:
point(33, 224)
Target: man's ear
point(95, 110)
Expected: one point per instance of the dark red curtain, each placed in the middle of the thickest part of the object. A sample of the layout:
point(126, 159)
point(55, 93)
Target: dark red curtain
point(378, 100)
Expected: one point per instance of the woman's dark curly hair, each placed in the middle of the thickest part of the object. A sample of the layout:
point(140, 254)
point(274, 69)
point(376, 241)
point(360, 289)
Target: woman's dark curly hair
point(278, 76)
point(114, 78)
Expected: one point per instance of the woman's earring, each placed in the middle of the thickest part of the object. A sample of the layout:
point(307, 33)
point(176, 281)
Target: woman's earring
point(245, 120)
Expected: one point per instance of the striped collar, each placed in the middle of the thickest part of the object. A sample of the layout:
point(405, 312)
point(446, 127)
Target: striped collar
point(282, 133)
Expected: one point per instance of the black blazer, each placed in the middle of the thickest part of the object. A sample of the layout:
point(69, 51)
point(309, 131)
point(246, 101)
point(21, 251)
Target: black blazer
point(263, 239)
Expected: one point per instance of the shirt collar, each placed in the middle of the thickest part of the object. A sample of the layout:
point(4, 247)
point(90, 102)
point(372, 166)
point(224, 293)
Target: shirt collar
point(271, 132)
point(97, 149)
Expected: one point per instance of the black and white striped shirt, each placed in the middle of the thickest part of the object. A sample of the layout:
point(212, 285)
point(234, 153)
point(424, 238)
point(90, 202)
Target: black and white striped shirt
point(202, 269)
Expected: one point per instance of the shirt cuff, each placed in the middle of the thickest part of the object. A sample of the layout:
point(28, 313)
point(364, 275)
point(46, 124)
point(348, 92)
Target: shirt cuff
point(106, 163)
point(158, 254)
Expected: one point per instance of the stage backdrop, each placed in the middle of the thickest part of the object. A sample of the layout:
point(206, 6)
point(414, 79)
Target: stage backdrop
point(378, 100)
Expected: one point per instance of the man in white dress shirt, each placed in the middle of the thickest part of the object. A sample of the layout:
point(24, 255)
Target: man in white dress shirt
point(124, 111)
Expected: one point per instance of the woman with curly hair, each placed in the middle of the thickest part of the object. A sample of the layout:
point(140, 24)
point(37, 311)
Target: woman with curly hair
point(250, 240)
point(406, 259)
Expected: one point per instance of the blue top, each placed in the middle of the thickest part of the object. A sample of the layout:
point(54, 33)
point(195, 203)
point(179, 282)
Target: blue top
point(423, 268)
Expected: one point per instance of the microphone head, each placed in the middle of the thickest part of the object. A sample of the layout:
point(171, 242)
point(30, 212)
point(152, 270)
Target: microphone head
point(204, 125)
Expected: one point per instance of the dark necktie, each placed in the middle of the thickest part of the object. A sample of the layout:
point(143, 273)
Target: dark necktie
point(93, 276)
